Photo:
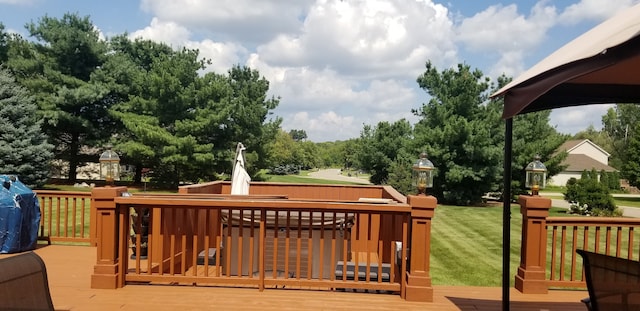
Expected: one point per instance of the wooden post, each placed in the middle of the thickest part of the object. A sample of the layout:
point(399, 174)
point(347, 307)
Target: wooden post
point(531, 278)
point(418, 279)
point(105, 272)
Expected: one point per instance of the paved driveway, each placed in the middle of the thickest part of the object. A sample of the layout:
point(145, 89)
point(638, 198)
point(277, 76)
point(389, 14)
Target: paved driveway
point(334, 174)
point(627, 211)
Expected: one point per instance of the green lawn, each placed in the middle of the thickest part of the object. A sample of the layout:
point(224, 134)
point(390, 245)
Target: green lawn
point(624, 201)
point(466, 245)
point(305, 180)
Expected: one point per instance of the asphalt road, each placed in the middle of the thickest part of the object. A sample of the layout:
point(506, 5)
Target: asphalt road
point(334, 174)
point(627, 211)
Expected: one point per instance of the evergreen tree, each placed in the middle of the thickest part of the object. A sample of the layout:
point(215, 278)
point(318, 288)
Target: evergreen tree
point(458, 135)
point(631, 168)
point(57, 67)
point(24, 150)
point(4, 47)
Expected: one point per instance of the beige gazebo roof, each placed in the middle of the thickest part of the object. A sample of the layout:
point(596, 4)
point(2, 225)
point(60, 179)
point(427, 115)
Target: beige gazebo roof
point(600, 66)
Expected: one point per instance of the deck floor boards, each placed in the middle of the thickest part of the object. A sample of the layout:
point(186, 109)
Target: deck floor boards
point(69, 271)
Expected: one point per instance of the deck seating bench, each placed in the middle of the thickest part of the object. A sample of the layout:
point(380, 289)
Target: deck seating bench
point(362, 271)
point(23, 283)
point(613, 282)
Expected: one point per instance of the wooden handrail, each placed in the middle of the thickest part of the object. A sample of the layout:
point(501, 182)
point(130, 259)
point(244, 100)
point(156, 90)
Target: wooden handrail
point(65, 216)
point(549, 245)
point(593, 221)
point(171, 257)
point(248, 203)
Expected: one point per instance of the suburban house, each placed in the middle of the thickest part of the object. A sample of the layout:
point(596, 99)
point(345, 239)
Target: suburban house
point(583, 154)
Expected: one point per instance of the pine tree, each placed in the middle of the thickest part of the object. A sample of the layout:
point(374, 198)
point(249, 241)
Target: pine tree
point(24, 150)
point(457, 132)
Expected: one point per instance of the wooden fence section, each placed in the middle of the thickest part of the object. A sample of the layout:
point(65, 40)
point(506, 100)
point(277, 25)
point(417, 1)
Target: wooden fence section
point(264, 242)
point(548, 253)
point(611, 236)
point(358, 237)
point(65, 216)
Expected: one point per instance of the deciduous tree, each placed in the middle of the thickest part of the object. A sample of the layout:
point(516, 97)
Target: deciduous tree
point(379, 146)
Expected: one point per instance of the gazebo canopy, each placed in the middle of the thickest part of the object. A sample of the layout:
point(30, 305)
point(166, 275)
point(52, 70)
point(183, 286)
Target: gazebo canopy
point(600, 66)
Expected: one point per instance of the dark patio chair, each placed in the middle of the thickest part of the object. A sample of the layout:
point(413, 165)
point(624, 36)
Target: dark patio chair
point(24, 284)
point(613, 283)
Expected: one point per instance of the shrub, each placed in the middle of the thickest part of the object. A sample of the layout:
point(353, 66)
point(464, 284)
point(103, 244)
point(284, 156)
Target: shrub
point(590, 197)
point(285, 169)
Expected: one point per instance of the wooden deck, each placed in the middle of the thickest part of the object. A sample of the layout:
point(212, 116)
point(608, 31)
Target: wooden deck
point(69, 270)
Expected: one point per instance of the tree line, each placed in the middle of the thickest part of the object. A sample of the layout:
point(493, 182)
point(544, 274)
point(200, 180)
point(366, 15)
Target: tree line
point(160, 111)
point(149, 101)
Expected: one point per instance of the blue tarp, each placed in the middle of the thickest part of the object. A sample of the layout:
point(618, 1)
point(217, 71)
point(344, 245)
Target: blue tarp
point(19, 216)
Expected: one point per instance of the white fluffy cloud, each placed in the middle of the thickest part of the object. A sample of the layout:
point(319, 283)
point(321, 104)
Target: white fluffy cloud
point(594, 10)
point(576, 119)
point(232, 20)
point(503, 30)
point(339, 64)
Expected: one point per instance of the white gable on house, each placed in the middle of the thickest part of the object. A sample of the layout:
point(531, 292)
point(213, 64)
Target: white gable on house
point(583, 155)
point(588, 148)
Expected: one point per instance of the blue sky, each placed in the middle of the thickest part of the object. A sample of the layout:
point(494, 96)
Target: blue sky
point(340, 64)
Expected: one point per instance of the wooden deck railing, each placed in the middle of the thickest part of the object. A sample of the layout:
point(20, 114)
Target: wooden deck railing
point(356, 238)
point(548, 253)
point(65, 216)
point(265, 242)
point(611, 236)
point(285, 235)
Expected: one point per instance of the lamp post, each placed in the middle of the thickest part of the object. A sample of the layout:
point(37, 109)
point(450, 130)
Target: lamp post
point(109, 166)
point(418, 286)
point(422, 174)
point(536, 175)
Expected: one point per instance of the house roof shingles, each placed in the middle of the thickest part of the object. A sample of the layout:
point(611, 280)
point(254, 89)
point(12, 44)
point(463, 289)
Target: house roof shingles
point(581, 162)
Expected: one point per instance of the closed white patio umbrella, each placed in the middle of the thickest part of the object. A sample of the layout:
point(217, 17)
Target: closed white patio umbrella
point(240, 179)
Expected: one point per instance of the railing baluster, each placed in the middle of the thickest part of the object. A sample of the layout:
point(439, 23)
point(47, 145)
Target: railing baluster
point(607, 243)
point(150, 240)
point(630, 243)
point(252, 242)
point(563, 252)
point(287, 249)
point(321, 249)
point(618, 241)
point(229, 244)
point(597, 242)
point(345, 252)
point(59, 217)
point(276, 230)
point(334, 237)
point(554, 247)
point(299, 247)
point(574, 246)
point(263, 235)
